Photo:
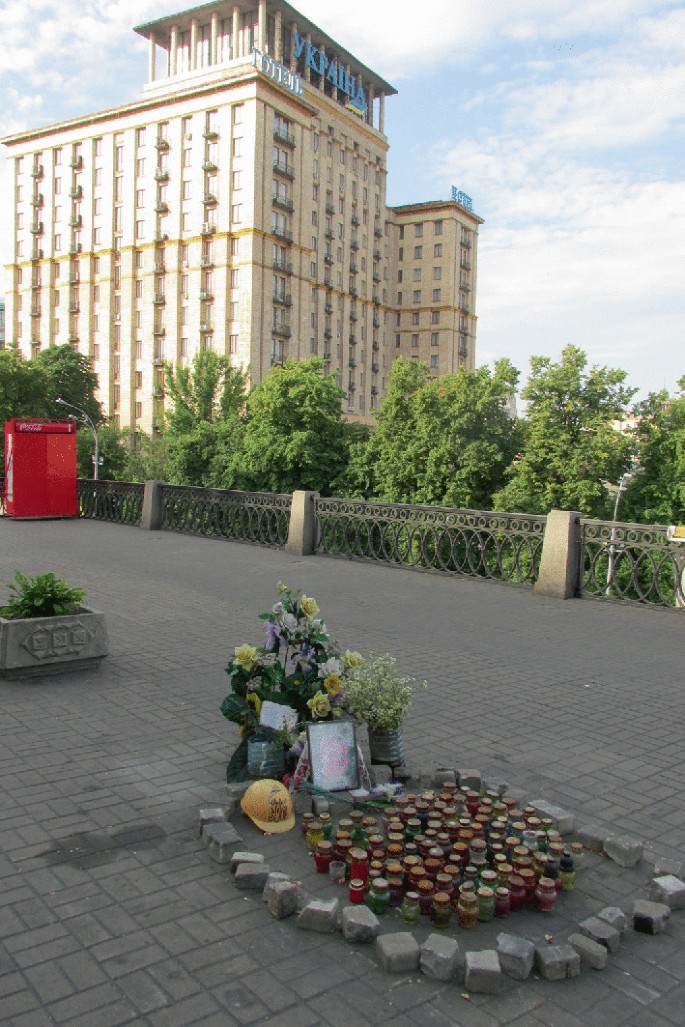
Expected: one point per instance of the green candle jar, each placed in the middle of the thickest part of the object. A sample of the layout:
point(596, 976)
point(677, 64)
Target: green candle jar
point(441, 914)
point(378, 896)
point(410, 908)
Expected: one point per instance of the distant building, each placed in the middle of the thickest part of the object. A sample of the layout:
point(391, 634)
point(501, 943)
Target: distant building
point(2, 324)
point(239, 206)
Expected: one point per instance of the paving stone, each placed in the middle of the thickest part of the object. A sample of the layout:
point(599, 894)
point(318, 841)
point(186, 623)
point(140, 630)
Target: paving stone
point(650, 917)
point(614, 916)
point(236, 789)
point(668, 889)
point(215, 815)
point(406, 774)
point(221, 840)
point(275, 877)
point(518, 795)
point(496, 785)
point(601, 932)
point(359, 925)
point(482, 972)
point(592, 836)
point(283, 899)
point(320, 915)
point(440, 957)
point(442, 775)
point(252, 876)
point(320, 804)
point(399, 952)
point(667, 866)
point(622, 849)
point(556, 962)
point(563, 821)
point(516, 955)
point(238, 858)
point(591, 952)
point(470, 778)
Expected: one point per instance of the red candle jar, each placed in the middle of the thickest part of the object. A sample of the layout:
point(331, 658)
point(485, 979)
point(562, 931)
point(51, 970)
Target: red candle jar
point(472, 802)
point(357, 892)
point(444, 882)
point(323, 856)
point(394, 852)
point(359, 865)
point(528, 877)
point(502, 902)
point(517, 893)
point(341, 849)
point(546, 895)
point(426, 890)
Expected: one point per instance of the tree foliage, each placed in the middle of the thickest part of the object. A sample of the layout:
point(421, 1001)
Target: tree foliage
point(208, 390)
point(572, 445)
point(24, 389)
point(69, 376)
point(657, 493)
point(295, 435)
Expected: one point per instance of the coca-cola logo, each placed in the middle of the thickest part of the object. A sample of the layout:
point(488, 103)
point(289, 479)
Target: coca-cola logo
point(30, 427)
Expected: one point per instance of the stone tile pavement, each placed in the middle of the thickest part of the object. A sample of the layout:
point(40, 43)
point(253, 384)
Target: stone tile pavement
point(112, 913)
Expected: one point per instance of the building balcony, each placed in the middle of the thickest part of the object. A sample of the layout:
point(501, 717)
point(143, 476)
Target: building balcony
point(351, 387)
point(376, 322)
point(353, 339)
point(374, 390)
point(463, 351)
point(208, 228)
point(209, 200)
point(465, 286)
point(37, 200)
point(160, 330)
point(466, 243)
point(162, 144)
point(37, 228)
point(328, 281)
point(277, 361)
point(283, 204)
point(328, 308)
point(328, 333)
point(211, 134)
point(37, 171)
point(37, 254)
point(374, 368)
point(206, 262)
point(161, 237)
point(278, 328)
point(283, 233)
point(161, 207)
point(354, 291)
point(329, 233)
point(353, 315)
point(209, 165)
point(158, 392)
point(378, 232)
point(465, 264)
point(354, 245)
point(353, 268)
point(355, 221)
point(76, 221)
point(207, 327)
point(286, 170)
point(74, 278)
point(285, 299)
point(76, 193)
point(158, 361)
point(376, 277)
point(35, 311)
point(283, 136)
point(328, 258)
point(464, 306)
point(330, 209)
point(73, 339)
point(327, 356)
point(375, 345)
point(161, 175)
point(377, 255)
point(206, 296)
point(351, 362)
point(76, 162)
point(283, 265)
point(160, 299)
point(75, 249)
point(160, 267)
point(376, 297)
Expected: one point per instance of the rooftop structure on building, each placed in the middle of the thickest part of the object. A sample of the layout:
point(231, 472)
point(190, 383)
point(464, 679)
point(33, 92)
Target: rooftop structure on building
point(239, 205)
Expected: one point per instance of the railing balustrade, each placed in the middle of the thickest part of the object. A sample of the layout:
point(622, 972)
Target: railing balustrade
point(258, 517)
point(120, 502)
point(634, 563)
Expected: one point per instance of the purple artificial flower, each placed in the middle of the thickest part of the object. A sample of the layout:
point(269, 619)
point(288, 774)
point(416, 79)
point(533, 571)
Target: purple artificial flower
point(273, 636)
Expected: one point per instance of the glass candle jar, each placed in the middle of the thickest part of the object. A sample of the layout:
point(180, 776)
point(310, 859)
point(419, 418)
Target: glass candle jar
point(341, 849)
point(578, 854)
point(486, 904)
point(305, 822)
point(502, 902)
point(337, 871)
point(378, 897)
point(357, 892)
point(323, 856)
point(410, 908)
point(467, 910)
point(529, 883)
point(517, 893)
point(426, 890)
point(488, 878)
point(546, 895)
point(441, 913)
point(567, 872)
point(359, 865)
point(314, 834)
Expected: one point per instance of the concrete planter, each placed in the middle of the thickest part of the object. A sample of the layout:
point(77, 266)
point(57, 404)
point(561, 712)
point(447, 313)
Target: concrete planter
point(40, 646)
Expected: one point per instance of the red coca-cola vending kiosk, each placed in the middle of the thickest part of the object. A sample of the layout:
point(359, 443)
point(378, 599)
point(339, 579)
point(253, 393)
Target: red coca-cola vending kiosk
point(40, 468)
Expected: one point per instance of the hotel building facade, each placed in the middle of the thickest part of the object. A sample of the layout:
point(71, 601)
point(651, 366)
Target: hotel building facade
point(238, 206)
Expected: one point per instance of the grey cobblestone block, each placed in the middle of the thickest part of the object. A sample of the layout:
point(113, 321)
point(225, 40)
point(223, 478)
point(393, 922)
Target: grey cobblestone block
point(252, 876)
point(556, 962)
point(516, 955)
point(482, 972)
point(667, 866)
point(601, 932)
point(215, 815)
point(320, 804)
point(650, 917)
point(320, 915)
point(615, 917)
point(470, 778)
point(398, 953)
point(591, 952)
point(443, 775)
point(236, 789)
point(668, 889)
point(622, 849)
point(275, 877)
point(592, 836)
point(359, 925)
point(440, 957)
point(240, 857)
point(563, 821)
point(221, 840)
point(283, 899)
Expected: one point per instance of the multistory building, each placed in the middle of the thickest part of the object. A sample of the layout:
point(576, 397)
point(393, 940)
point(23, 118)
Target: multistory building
point(239, 205)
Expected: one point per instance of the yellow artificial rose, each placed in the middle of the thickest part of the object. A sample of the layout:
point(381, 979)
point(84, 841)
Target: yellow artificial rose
point(353, 660)
point(253, 699)
point(332, 684)
point(320, 705)
point(281, 587)
point(309, 607)
point(245, 657)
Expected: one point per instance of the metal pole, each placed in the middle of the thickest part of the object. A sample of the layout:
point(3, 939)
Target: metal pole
point(85, 419)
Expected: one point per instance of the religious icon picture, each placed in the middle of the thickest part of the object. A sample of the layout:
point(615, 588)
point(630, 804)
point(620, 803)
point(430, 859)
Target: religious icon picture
point(333, 755)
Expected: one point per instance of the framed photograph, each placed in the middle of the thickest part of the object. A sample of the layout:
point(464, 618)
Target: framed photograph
point(333, 755)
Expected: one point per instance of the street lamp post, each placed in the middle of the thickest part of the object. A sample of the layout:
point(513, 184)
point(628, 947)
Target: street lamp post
point(623, 484)
point(85, 419)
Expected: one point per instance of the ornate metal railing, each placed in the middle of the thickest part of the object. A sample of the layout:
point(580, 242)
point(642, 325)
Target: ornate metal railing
point(502, 546)
point(118, 501)
point(257, 517)
point(632, 562)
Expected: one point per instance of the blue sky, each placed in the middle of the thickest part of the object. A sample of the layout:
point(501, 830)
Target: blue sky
point(564, 121)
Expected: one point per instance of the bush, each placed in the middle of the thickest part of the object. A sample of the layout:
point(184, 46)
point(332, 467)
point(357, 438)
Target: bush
point(42, 596)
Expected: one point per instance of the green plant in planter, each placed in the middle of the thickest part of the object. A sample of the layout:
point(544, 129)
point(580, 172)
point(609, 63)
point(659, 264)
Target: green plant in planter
point(41, 596)
point(378, 695)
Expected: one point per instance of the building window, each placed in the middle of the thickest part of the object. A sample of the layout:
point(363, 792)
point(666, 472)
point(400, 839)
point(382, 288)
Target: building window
point(417, 274)
point(418, 252)
point(437, 273)
point(418, 230)
point(437, 249)
point(140, 137)
point(435, 338)
point(437, 295)
point(435, 317)
point(237, 180)
point(238, 114)
point(233, 344)
point(237, 146)
point(416, 296)
point(235, 247)
point(415, 341)
point(434, 360)
point(236, 212)
point(438, 227)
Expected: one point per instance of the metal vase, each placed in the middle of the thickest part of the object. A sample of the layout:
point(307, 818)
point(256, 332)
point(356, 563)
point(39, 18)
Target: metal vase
point(386, 747)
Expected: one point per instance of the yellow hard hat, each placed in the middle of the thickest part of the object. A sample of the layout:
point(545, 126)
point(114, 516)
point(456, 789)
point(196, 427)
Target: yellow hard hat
point(268, 805)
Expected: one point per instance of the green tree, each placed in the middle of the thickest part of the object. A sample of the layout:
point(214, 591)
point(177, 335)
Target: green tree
point(112, 451)
point(206, 391)
point(146, 458)
point(24, 388)
point(444, 441)
point(210, 455)
point(657, 493)
point(69, 376)
point(295, 434)
point(572, 445)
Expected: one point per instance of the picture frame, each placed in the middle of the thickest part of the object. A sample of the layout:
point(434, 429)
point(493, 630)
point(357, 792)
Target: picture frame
point(333, 755)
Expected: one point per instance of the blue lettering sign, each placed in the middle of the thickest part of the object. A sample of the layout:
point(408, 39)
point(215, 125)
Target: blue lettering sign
point(277, 72)
point(461, 198)
point(332, 69)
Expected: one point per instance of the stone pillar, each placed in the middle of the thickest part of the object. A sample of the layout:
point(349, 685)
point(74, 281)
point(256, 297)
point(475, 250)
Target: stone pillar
point(173, 50)
point(302, 531)
point(261, 26)
point(291, 45)
point(381, 114)
point(151, 59)
point(307, 69)
point(560, 565)
point(278, 54)
point(193, 44)
point(214, 38)
point(151, 517)
point(369, 100)
point(237, 50)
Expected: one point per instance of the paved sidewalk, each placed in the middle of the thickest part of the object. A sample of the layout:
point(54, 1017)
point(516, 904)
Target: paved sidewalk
point(111, 911)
